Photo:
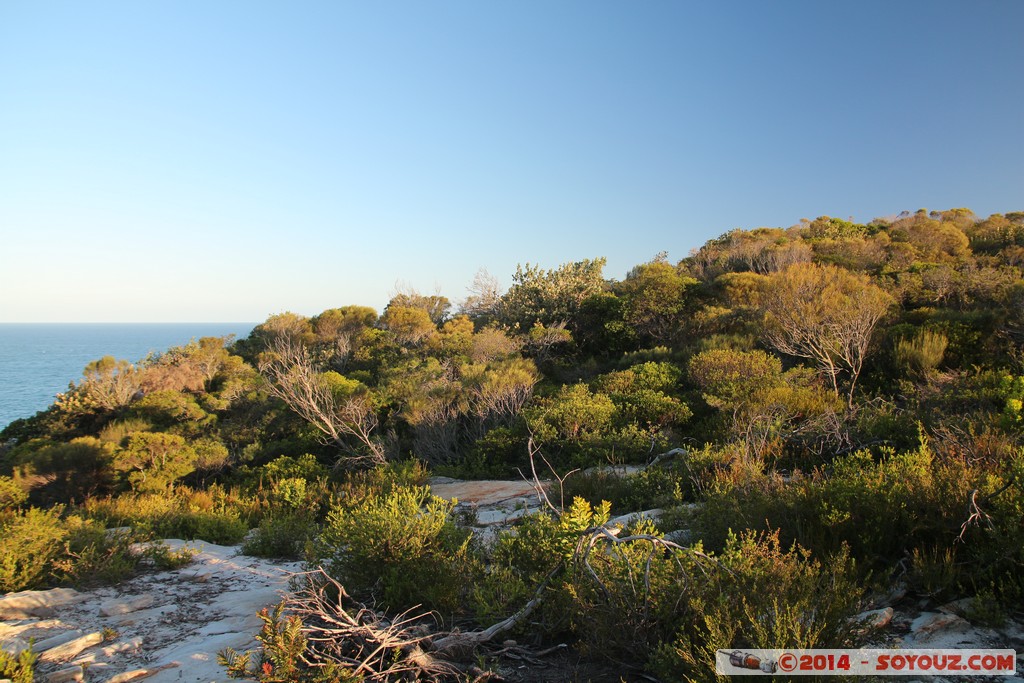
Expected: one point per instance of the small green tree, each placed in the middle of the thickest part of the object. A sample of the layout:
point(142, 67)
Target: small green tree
point(155, 460)
point(655, 296)
point(550, 296)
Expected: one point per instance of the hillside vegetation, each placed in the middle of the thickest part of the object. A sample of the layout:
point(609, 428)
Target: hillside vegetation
point(848, 400)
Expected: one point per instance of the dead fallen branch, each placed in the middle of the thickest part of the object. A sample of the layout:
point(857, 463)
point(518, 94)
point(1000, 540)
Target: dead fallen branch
point(362, 640)
point(339, 633)
point(459, 644)
point(594, 536)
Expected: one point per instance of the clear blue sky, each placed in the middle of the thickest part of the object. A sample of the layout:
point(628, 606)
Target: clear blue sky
point(215, 161)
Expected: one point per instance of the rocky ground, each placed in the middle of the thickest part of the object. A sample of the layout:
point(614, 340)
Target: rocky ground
point(162, 626)
point(167, 626)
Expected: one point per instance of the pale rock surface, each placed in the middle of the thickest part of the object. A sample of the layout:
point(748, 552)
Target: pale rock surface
point(929, 624)
point(65, 652)
point(31, 604)
point(164, 627)
point(623, 521)
point(112, 608)
point(490, 504)
point(74, 673)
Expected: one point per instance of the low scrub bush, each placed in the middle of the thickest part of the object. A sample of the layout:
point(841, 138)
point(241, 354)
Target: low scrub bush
point(400, 546)
point(29, 542)
point(364, 484)
point(160, 556)
point(536, 555)
point(959, 519)
point(286, 534)
point(93, 555)
point(758, 595)
point(18, 668)
point(40, 548)
point(652, 487)
point(182, 514)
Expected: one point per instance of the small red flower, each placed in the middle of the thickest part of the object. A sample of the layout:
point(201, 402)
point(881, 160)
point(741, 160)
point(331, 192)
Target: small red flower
point(268, 668)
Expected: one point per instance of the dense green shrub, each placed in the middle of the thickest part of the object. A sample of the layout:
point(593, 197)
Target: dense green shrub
point(651, 487)
point(282, 534)
point(913, 505)
point(758, 595)
point(29, 541)
point(93, 555)
point(20, 667)
point(400, 546)
point(305, 466)
point(182, 513)
point(41, 548)
point(536, 554)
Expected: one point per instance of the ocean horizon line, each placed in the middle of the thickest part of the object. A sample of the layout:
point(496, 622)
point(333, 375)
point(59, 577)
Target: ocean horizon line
point(129, 322)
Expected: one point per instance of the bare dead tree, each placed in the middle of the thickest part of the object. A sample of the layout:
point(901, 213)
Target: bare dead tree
point(533, 451)
point(294, 378)
point(484, 296)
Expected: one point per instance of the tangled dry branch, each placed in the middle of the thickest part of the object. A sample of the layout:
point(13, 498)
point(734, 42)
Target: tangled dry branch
point(594, 536)
point(360, 639)
point(341, 633)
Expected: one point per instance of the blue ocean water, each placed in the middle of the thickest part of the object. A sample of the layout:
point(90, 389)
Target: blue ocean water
point(38, 360)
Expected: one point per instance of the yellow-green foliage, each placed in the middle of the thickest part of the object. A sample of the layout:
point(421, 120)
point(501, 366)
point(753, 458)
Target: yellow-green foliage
point(12, 495)
point(155, 460)
point(728, 378)
point(282, 534)
point(92, 555)
point(401, 546)
point(923, 352)
point(757, 595)
point(29, 542)
point(540, 548)
point(304, 466)
point(20, 667)
point(212, 515)
point(903, 504)
point(624, 598)
point(41, 548)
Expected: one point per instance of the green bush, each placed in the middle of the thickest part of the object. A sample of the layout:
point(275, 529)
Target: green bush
point(12, 495)
point(758, 595)
point(93, 555)
point(180, 514)
point(915, 504)
point(624, 598)
point(539, 549)
point(281, 535)
point(648, 488)
point(29, 542)
point(19, 668)
point(305, 466)
point(160, 556)
point(220, 527)
point(401, 546)
point(380, 480)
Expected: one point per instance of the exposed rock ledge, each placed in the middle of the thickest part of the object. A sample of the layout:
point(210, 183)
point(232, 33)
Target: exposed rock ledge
point(161, 627)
